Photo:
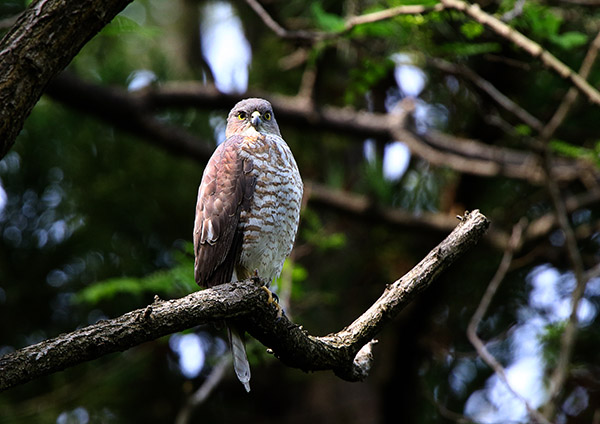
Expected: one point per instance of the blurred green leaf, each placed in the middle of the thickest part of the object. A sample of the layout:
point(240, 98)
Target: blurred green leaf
point(328, 22)
point(523, 129)
point(173, 282)
point(121, 25)
point(551, 340)
point(569, 40)
point(313, 232)
point(578, 152)
point(471, 29)
point(364, 77)
point(543, 21)
point(469, 49)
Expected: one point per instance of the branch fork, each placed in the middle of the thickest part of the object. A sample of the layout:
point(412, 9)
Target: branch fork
point(348, 353)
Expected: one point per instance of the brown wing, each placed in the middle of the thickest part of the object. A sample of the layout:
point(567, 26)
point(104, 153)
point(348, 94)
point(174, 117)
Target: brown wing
point(226, 189)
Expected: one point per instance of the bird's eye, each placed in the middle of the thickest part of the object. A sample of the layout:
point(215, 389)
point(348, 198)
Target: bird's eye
point(241, 116)
point(267, 116)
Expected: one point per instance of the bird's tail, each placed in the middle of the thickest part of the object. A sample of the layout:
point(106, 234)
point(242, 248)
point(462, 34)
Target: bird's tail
point(240, 359)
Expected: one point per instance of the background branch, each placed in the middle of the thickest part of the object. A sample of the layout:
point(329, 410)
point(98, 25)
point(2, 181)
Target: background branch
point(38, 46)
point(569, 100)
point(133, 112)
point(482, 309)
point(530, 46)
point(343, 352)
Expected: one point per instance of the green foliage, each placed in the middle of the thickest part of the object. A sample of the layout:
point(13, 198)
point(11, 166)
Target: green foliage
point(422, 190)
point(365, 76)
point(381, 29)
point(93, 215)
point(124, 26)
point(328, 22)
point(471, 29)
point(578, 152)
point(523, 129)
point(551, 340)
point(314, 233)
point(384, 191)
point(569, 40)
point(173, 282)
point(540, 20)
point(464, 49)
point(545, 24)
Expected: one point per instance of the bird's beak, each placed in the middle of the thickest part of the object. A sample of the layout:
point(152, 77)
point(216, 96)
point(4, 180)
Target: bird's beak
point(255, 119)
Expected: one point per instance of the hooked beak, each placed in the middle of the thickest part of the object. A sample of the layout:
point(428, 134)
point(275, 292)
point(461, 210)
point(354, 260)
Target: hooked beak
point(255, 119)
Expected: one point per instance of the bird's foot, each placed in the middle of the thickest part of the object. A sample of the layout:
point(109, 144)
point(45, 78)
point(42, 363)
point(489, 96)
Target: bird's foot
point(273, 299)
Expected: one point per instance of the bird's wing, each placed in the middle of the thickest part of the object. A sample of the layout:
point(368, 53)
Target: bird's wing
point(226, 189)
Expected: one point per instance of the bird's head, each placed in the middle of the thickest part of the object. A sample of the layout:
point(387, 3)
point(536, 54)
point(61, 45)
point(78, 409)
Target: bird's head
point(252, 115)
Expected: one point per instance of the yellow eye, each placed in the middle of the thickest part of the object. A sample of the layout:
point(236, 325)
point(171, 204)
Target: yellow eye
point(242, 116)
point(267, 116)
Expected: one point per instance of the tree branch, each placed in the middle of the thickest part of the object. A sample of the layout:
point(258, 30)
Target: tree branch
point(133, 112)
point(491, 290)
point(530, 46)
point(40, 44)
point(567, 103)
point(488, 88)
point(203, 392)
point(347, 352)
point(349, 24)
point(568, 337)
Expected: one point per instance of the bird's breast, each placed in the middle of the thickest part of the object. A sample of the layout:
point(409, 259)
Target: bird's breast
point(271, 222)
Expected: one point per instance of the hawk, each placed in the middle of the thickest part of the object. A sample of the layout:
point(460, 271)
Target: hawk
point(248, 208)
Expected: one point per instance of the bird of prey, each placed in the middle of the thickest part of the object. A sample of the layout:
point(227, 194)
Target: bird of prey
point(248, 208)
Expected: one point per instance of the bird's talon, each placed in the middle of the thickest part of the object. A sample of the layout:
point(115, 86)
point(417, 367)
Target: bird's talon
point(273, 299)
point(269, 293)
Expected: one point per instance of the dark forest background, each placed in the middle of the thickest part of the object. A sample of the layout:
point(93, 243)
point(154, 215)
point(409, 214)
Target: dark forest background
point(97, 199)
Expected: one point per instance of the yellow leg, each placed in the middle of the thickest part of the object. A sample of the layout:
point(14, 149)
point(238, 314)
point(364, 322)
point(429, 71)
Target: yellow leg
point(273, 301)
point(269, 293)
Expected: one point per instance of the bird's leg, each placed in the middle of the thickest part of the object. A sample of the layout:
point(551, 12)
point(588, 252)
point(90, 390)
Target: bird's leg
point(272, 296)
point(255, 278)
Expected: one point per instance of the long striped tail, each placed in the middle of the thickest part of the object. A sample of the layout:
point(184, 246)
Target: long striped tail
point(240, 359)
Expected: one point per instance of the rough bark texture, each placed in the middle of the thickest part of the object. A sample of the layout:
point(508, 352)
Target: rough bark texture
point(347, 353)
point(39, 45)
point(126, 331)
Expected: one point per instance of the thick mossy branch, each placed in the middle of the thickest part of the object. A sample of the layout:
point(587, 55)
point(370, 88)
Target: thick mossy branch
point(347, 352)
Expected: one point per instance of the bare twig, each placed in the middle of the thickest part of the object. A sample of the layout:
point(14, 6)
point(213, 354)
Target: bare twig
point(444, 411)
point(308, 84)
point(530, 46)
point(561, 371)
point(199, 396)
point(491, 290)
point(381, 15)
point(567, 103)
point(487, 87)
point(278, 29)
point(347, 352)
point(349, 24)
point(515, 12)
